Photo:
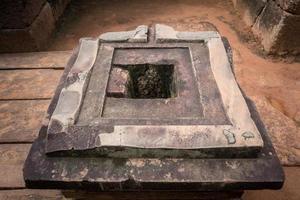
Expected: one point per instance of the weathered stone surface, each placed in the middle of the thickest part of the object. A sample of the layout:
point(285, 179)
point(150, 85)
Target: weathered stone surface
point(58, 7)
point(283, 131)
point(134, 133)
point(154, 195)
point(71, 96)
point(292, 6)
point(278, 29)
point(166, 34)
point(33, 37)
point(196, 25)
point(39, 60)
point(25, 194)
point(28, 84)
point(11, 163)
point(275, 22)
point(249, 9)
point(290, 190)
point(226, 125)
point(42, 27)
point(20, 120)
point(137, 35)
point(117, 84)
point(19, 14)
point(104, 174)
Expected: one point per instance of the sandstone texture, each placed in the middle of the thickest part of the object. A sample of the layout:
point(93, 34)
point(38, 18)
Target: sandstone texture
point(275, 22)
point(283, 131)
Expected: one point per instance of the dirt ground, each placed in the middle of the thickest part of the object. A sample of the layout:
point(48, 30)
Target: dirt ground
point(276, 80)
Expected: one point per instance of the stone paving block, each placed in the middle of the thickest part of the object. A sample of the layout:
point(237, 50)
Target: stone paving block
point(35, 60)
point(20, 120)
point(25, 194)
point(28, 84)
point(12, 159)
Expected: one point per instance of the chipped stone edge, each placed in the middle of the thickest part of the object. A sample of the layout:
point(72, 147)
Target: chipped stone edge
point(140, 34)
point(71, 95)
point(233, 100)
point(164, 33)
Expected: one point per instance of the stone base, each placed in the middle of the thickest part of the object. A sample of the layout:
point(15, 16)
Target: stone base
point(152, 195)
point(97, 152)
point(31, 29)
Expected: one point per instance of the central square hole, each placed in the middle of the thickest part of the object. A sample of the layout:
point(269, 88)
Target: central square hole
point(151, 81)
point(142, 81)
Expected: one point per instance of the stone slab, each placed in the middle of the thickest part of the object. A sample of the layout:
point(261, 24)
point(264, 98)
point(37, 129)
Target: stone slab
point(28, 84)
point(106, 174)
point(24, 194)
point(289, 191)
point(20, 120)
point(164, 33)
point(11, 164)
point(35, 60)
point(154, 195)
point(137, 35)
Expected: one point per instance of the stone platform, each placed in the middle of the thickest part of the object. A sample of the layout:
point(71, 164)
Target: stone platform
point(170, 140)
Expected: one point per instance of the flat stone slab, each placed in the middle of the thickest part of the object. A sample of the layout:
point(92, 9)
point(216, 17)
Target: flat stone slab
point(204, 116)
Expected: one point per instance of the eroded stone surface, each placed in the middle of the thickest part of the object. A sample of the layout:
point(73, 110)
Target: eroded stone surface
point(292, 6)
point(166, 33)
point(117, 84)
point(71, 96)
point(275, 22)
point(106, 144)
point(284, 132)
point(146, 123)
point(277, 28)
point(137, 35)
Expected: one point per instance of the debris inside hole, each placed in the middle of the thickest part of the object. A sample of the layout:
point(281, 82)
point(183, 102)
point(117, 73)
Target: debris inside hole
point(148, 81)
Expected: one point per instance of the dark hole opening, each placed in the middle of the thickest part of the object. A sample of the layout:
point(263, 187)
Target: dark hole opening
point(143, 81)
point(150, 81)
